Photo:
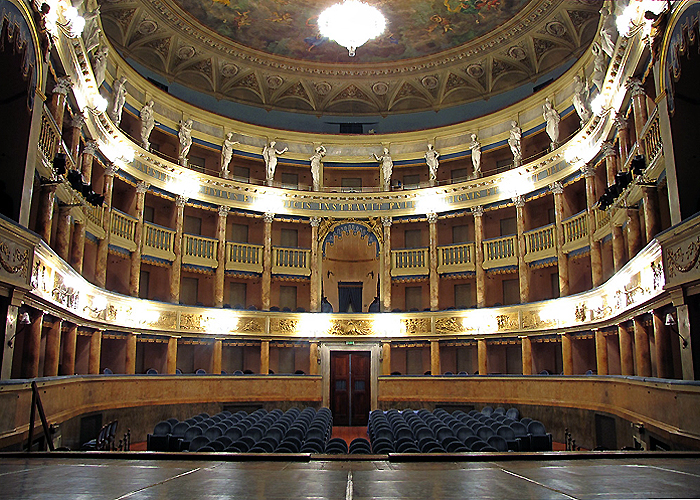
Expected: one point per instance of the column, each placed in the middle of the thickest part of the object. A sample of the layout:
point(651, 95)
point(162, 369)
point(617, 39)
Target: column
point(267, 261)
point(135, 270)
point(434, 278)
point(482, 359)
point(591, 200)
point(652, 224)
point(176, 268)
point(221, 257)
point(683, 323)
point(662, 346)
point(216, 357)
point(526, 346)
point(315, 284)
point(265, 357)
point(626, 352)
point(386, 270)
point(130, 354)
point(601, 353)
point(523, 269)
point(53, 349)
point(386, 358)
point(641, 348)
point(313, 358)
point(9, 342)
point(619, 247)
point(567, 354)
point(562, 258)
point(57, 105)
point(611, 164)
point(89, 155)
point(77, 123)
point(62, 245)
point(45, 216)
point(69, 340)
point(639, 107)
point(623, 135)
point(634, 232)
point(77, 248)
point(95, 352)
point(171, 356)
point(103, 244)
point(435, 357)
point(478, 212)
point(32, 345)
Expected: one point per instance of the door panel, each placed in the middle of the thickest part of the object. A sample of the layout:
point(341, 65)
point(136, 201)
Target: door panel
point(359, 381)
point(350, 388)
point(340, 396)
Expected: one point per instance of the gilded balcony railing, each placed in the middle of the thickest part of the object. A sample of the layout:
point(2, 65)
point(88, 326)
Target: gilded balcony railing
point(575, 231)
point(652, 137)
point(49, 135)
point(199, 250)
point(409, 262)
point(158, 241)
point(123, 230)
point(501, 252)
point(456, 258)
point(244, 257)
point(540, 243)
point(292, 261)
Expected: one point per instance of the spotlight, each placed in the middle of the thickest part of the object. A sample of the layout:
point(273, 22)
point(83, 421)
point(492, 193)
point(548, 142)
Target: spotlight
point(75, 179)
point(638, 164)
point(622, 180)
point(59, 163)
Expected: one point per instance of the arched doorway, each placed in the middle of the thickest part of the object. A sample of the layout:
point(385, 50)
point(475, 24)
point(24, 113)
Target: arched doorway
point(350, 267)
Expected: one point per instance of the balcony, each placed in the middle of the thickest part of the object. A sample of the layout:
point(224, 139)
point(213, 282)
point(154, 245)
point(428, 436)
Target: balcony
point(158, 241)
point(501, 252)
point(199, 250)
point(123, 230)
point(540, 243)
point(293, 261)
point(409, 262)
point(575, 232)
point(456, 258)
point(244, 257)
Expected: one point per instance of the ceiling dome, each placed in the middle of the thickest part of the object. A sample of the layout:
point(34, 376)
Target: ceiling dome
point(434, 54)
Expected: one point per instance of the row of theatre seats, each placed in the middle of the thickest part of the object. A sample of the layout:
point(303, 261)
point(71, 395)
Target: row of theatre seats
point(422, 431)
point(392, 431)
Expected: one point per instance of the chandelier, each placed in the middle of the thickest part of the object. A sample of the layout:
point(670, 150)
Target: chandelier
point(351, 24)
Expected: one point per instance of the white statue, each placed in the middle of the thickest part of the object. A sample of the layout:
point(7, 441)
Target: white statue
point(148, 122)
point(608, 32)
point(118, 100)
point(476, 156)
point(431, 159)
point(516, 135)
point(227, 154)
point(270, 156)
point(599, 67)
point(185, 135)
point(316, 165)
point(99, 65)
point(387, 165)
point(91, 32)
point(552, 118)
point(580, 99)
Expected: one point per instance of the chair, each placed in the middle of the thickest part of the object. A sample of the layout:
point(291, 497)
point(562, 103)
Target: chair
point(313, 446)
point(213, 433)
point(508, 434)
point(158, 441)
point(198, 443)
point(359, 446)
point(487, 410)
point(151, 371)
point(540, 440)
point(513, 413)
point(108, 371)
point(498, 443)
point(200, 371)
point(216, 445)
point(432, 447)
point(485, 432)
point(337, 446)
point(521, 433)
point(469, 442)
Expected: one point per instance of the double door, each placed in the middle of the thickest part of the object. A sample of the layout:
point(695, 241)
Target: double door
point(350, 387)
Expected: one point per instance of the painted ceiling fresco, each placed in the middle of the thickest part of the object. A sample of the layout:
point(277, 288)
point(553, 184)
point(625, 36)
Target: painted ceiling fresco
point(415, 28)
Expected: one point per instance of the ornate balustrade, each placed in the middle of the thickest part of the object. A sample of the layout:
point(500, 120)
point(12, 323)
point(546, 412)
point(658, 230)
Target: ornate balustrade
point(49, 136)
point(540, 243)
point(158, 241)
point(244, 257)
point(575, 231)
point(602, 223)
point(292, 261)
point(409, 262)
point(501, 252)
point(199, 250)
point(123, 230)
point(456, 258)
point(651, 137)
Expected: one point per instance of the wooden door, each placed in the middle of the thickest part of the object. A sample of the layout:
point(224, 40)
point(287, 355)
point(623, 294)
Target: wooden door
point(350, 388)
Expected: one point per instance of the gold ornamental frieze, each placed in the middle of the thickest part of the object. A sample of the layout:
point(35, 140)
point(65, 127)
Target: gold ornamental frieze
point(351, 327)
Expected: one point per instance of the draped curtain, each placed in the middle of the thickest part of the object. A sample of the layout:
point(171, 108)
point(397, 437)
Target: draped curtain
point(349, 294)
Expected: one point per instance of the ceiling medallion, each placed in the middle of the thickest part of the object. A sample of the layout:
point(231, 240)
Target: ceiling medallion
point(380, 88)
point(351, 24)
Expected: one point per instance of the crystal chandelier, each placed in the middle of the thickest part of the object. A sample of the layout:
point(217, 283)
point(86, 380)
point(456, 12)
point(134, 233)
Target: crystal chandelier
point(351, 24)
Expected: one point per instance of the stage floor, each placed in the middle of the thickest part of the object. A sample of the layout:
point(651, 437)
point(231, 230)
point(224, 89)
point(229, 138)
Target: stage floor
point(83, 478)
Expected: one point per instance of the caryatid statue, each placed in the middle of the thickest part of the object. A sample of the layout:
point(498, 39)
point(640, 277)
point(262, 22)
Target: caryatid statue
point(118, 100)
point(608, 32)
point(431, 159)
point(516, 136)
point(552, 118)
point(185, 136)
point(91, 31)
point(99, 65)
point(227, 154)
point(599, 66)
point(387, 165)
point(580, 99)
point(270, 156)
point(148, 122)
point(316, 164)
point(476, 155)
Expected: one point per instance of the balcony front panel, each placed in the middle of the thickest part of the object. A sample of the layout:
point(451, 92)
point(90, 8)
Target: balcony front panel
point(244, 257)
point(292, 261)
point(409, 262)
point(575, 232)
point(123, 230)
point(501, 252)
point(541, 243)
point(199, 251)
point(158, 241)
point(456, 258)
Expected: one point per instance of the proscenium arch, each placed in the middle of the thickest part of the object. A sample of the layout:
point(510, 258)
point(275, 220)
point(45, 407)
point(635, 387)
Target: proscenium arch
point(355, 228)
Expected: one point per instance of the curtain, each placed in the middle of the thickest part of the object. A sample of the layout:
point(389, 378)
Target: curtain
point(349, 294)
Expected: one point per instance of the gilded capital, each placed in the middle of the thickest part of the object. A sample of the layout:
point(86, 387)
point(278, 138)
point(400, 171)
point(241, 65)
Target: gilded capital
point(608, 149)
point(180, 201)
point(142, 187)
point(223, 210)
point(635, 86)
point(269, 217)
point(556, 187)
point(519, 201)
point(620, 122)
point(315, 221)
point(478, 211)
point(78, 120)
point(432, 217)
point(91, 148)
point(588, 170)
point(111, 169)
point(63, 85)
point(386, 221)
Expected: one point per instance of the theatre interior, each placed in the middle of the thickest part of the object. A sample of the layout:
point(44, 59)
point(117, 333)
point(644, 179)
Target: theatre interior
point(459, 228)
